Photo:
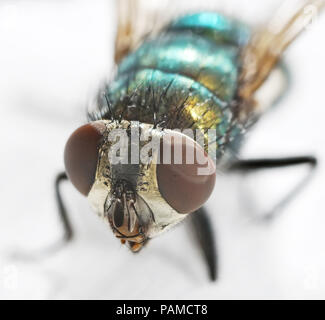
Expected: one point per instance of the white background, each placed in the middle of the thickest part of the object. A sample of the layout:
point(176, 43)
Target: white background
point(53, 56)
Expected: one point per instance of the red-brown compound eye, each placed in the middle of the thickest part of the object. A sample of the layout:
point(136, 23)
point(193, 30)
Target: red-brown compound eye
point(185, 185)
point(81, 155)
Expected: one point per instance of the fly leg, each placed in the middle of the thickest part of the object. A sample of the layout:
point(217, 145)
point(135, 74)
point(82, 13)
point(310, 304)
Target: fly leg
point(251, 165)
point(68, 232)
point(42, 253)
point(204, 234)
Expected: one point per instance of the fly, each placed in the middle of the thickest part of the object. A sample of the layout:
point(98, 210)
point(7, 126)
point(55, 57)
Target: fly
point(202, 72)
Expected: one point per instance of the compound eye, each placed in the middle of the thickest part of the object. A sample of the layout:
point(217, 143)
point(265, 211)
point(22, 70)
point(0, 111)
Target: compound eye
point(186, 174)
point(81, 155)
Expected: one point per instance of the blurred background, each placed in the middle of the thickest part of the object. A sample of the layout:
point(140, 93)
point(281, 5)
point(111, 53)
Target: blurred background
point(53, 56)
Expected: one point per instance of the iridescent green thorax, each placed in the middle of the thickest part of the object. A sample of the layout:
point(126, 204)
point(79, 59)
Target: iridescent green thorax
point(186, 77)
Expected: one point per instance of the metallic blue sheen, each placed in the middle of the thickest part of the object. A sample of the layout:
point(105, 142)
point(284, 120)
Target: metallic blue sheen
point(214, 25)
point(213, 65)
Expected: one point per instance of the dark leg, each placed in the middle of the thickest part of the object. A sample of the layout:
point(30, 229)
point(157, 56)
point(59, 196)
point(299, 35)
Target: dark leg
point(256, 164)
point(68, 233)
point(259, 164)
point(205, 237)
